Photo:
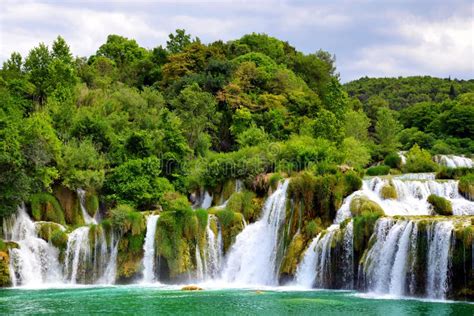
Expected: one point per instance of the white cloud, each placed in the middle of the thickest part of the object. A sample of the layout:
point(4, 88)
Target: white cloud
point(438, 47)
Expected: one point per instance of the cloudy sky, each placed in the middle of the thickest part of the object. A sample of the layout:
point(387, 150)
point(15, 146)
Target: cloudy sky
point(373, 38)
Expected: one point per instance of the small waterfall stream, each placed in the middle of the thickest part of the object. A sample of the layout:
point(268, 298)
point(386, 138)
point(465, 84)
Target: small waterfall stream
point(82, 201)
point(35, 262)
point(149, 249)
point(214, 250)
point(253, 257)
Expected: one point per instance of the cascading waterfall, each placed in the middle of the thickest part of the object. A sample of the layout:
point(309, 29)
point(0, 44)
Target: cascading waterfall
point(84, 255)
point(391, 261)
point(348, 249)
point(35, 262)
point(149, 249)
point(306, 270)
point(77, 255)
point(315, 268)
point(411, 199)
point(82, 201)
point(452, 161)
point(214, 250)
point(439, 242)
point(253, 257)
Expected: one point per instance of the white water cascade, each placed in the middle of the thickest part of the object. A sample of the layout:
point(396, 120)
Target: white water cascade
point(89, 261)
point(35, 261)
point(214, 250)
point(390, 263)
point(253, 257)
point(411, 198)
point(82, 201)
point(452, 161)
point(149, 249)
point(439, 242)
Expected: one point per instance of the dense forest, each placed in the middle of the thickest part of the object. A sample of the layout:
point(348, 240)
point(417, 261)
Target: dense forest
point(136, 124)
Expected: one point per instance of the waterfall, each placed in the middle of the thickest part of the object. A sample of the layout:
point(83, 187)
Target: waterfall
point(84, 256)
point(391, 261)
point(452, 161)
point(35, 262)
point(214, 250)
point(306, 270)
point(348, 250)
point(82, 201)
point(387, 265)
point(199, 264)
point(315, 269)
point(253, 257)
point(411, 199)
point(207, 201)
point(77, 255)
point(439, 242)
point(149, 249)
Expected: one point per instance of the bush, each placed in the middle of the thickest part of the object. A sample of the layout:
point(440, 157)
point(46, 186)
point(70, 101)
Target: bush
point(419, 160)
point(388, 192)
point(466, 186)
point(352, 182)
point(393, 160)
point(243, 202)
point(453, 173)
point(362, 204)
point(378, 170)
point(440, 205)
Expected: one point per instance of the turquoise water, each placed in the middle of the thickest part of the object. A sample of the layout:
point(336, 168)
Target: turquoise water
point(135, 300)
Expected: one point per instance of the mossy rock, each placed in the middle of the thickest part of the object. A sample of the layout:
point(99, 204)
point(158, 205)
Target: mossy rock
point(292, 256)
point(5, 279)
point(92, 203)
point(466, 186)
point(45, 207)
point(440, 205)
point(69, 202)
point(388, 191)
point(53, 232)
point(191, 288)
point(245, 202)
point(362, 204)
point(232, 224)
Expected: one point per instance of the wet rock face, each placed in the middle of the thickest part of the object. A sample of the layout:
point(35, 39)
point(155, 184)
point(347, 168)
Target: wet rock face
point(5, 279)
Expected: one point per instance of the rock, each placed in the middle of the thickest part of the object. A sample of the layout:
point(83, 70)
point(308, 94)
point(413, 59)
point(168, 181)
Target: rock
point(191, 288)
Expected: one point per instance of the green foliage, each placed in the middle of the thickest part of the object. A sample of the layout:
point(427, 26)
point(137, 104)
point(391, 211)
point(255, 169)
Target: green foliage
point(243, 202)
point(137, 182)
point(378, 170)
point(388, 191)
point(393, 160)
point(466, 186)
point(453, 173)
point(356, 154)
point(362, 205)
point(441, 206)
point(127, 220)
point(419, 160)
point(386, 130)
point(364, 225)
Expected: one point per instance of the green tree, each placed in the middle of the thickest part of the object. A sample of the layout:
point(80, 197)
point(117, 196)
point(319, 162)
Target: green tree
point(178, 42)
point(356, 154)
point(356, 124)
point(197, 110)
point(386, 131)
point(37, 67)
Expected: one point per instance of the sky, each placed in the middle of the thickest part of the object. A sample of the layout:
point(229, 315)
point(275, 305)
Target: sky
point(368, 38)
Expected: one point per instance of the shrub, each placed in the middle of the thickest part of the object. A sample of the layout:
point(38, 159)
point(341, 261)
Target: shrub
point(242, 202)
point(419, 160)
point(362, 204)
point(393, 160)
point(378, 170)
point(466, 186)
point(313, 228)
point(453, 173)
point(388, 192)
point(440, 205)
point(352, 182)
